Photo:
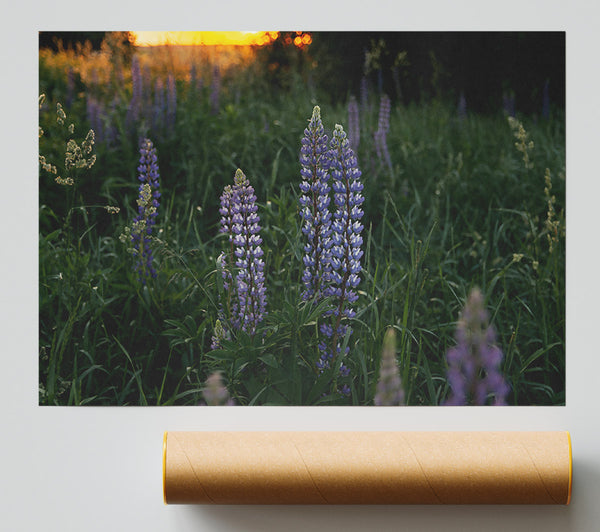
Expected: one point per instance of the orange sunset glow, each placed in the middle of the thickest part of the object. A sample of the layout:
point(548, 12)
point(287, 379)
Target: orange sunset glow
point(204, 38)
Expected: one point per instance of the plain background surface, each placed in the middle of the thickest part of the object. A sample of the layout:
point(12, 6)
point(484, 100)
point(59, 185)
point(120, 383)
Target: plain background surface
point(88, 469)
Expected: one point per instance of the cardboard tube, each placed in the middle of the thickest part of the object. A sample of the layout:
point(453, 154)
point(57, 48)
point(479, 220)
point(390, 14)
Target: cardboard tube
point(367, 467)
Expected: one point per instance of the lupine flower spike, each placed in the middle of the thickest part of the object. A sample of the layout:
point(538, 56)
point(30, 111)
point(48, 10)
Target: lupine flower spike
point(346, 249)
point(389, 386)
point(314, 207)
point(247, 297)
point(474, 364)
point(224, 262)
point(148, 204)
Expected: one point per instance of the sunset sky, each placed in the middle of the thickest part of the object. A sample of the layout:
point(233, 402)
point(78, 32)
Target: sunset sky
point(153, 38)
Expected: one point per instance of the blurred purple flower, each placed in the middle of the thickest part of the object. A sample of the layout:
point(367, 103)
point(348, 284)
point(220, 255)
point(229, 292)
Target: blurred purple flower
point(474, 363)
point(380, 136)
point(215, 393)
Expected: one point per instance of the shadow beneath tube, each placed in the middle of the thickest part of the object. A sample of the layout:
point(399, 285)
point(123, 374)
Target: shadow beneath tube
point(582, 514)
point(489, 518)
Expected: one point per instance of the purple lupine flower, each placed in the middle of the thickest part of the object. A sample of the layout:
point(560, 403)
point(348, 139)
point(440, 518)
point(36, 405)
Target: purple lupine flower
point(220, 332)
point(346, 249)
point(462, 106)
point(314, 206)
point(171, 102)
point(474, 363)
point(353, 124)
point(215, 89)
point(380, 136)
point(228, 200)
point(148, 204)
point(215, 393)
point(389, 386)
point(546, 100)
point(249, 281)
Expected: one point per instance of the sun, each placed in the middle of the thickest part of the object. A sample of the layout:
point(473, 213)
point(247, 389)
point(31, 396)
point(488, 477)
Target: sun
point(203, 38)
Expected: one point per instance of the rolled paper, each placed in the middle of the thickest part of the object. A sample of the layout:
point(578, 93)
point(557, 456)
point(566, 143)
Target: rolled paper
point(367, 467)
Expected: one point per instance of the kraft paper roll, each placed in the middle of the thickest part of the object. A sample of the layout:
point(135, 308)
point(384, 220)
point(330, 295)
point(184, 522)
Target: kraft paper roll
point(367, 467)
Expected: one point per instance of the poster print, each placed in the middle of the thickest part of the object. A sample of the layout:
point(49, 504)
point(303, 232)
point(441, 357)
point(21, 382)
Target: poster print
point(302, 218)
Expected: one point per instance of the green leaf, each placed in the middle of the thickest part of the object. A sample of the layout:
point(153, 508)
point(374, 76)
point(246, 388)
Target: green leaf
point(269, 360)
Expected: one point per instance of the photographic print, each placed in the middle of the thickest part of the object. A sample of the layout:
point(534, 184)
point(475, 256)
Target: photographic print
point(302, 218)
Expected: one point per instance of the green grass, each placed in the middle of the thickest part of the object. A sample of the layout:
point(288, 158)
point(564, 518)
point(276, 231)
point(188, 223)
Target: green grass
point(451, 214)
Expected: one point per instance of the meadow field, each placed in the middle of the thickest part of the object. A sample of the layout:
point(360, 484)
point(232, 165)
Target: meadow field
point(209, 234)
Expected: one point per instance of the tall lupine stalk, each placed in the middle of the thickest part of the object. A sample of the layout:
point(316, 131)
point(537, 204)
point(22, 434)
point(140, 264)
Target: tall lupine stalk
point(474, 363)
point(247, 293)
point(346, 249)
point(389, 386)
point(148, 204)
point(224, 262)
point(314, 207)
point(383, 126)
point(250, 279)
point(353, 124)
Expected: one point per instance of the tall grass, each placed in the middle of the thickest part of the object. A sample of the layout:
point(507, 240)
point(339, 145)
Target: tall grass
point(457, 208)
